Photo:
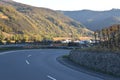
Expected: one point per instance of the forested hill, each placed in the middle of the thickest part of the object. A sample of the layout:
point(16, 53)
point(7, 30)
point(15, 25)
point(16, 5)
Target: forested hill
point(95, 20)
point(22, 20)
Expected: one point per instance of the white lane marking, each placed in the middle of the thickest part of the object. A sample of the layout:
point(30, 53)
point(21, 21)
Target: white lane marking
point(29, 55)
point(52, 78)
point(27, 62)
point(7, 52)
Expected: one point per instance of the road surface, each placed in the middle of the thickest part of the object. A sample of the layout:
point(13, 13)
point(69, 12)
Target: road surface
point(38, 65)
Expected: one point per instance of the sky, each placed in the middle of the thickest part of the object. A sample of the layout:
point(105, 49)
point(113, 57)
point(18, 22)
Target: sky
point(70, 5)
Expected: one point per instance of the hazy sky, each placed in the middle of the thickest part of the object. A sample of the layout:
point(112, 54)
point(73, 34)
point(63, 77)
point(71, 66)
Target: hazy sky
point(74, 4)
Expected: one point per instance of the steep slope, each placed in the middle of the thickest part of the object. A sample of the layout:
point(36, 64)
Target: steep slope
point(95, 19)
point(38, 22)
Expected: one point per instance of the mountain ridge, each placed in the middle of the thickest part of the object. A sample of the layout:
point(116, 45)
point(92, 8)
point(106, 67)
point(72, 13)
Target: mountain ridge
point(93, 19)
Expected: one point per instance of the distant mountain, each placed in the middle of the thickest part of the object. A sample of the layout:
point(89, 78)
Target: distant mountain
point(95, 19)
point(39, 23)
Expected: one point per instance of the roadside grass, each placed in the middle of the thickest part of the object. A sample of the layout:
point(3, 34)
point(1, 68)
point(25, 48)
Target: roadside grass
point(10, 49)
point(99, 49)
point(65, 56)
point(2, 49)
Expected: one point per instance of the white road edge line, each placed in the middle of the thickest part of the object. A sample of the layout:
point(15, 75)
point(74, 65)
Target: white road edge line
point(27, 62)
point(52, 78)
point(2, 53)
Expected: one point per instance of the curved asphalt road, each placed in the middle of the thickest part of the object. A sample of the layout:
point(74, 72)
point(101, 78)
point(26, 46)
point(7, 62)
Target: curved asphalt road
point(37, 65)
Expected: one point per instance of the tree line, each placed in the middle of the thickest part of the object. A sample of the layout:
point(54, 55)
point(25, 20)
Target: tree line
point(18, 38)
point(108, 37)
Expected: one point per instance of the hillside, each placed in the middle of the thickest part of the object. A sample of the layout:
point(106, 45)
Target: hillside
point(95, 19)
point(33, 22)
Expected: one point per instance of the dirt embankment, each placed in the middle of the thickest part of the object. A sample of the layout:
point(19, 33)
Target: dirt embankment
point(106, 62)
